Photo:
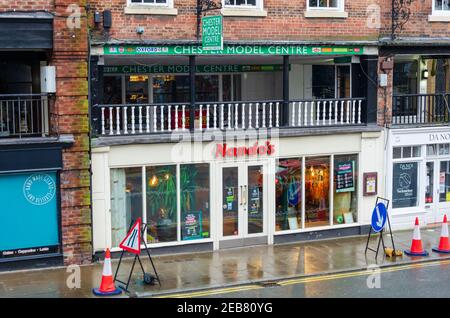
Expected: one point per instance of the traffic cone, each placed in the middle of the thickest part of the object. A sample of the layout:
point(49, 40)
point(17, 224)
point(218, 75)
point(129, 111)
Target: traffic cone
point(107, 286)
point(444, 244)
point(416, 246)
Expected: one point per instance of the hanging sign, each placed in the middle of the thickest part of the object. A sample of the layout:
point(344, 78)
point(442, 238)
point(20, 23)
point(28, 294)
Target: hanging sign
point(212, 33)
point(132, 242)
point(192, 225)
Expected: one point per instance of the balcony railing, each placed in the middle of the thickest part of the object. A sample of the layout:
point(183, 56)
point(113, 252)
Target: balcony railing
point(24, 115)
point(163, 118)
point(420, 109)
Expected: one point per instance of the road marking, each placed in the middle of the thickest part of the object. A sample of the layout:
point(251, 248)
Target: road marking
point(303, 280)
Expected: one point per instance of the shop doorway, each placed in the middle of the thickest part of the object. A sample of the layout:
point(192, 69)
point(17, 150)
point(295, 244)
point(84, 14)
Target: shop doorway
point(243, 204)
point(437, 189)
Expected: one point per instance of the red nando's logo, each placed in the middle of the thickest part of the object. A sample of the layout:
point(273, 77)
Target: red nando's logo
point(222, 150)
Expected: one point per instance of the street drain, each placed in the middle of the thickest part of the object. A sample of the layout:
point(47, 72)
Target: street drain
point(269, 284)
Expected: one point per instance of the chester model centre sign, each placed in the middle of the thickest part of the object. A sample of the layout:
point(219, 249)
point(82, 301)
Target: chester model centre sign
point(233, 50)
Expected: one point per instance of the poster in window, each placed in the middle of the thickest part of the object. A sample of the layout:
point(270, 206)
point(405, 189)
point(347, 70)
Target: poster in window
point(345, 176)
point(255, 204)
point(192, 225)
point(404, 185)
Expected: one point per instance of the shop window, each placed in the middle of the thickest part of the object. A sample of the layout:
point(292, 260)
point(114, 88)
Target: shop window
point(405, 184)
point(161, 199)
point(405, 79)
point(231, 87)
point(288, 186)
point(126, 201)
point(345, 189)
point(176, 88)
point(112, 90)
point(29, 215)
point(444, 181)
point(136, 89)
point(444, 149)
point(194, 202)
point(431, 150)
point(323, 81)
point(406, 152)
point(317, 191)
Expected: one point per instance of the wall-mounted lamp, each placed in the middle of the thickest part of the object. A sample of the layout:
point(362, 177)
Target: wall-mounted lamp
point(425, 74)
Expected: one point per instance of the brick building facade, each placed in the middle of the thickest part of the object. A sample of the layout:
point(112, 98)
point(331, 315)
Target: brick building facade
point(60, 28)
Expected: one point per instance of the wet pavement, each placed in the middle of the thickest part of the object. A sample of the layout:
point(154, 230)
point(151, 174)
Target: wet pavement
point(196, 271)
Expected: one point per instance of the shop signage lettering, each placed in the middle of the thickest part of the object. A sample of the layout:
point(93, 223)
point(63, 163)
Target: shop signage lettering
point(165, 69)
point(442, 137)
point(233, 50)
point(223, 150)
point(29, 251)
point(39, 189)
point(212, 32)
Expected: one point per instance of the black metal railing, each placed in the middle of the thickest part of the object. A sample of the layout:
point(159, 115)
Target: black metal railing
point(23, 115)
point(411, 109)
point(111, 120)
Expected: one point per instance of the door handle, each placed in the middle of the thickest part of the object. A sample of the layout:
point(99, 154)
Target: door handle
point(242, 197)
point(245, 195)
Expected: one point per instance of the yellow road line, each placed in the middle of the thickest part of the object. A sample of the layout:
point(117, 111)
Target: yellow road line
point(212, 292)
point(305, 280)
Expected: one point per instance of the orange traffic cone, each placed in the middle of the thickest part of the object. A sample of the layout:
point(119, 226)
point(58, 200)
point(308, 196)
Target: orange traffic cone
point(444, 244)
point(107, 286)
point(416, 246)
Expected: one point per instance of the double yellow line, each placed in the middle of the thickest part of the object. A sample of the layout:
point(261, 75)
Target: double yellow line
point(304, 280)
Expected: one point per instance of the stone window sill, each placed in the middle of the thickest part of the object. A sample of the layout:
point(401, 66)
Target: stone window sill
point(243, 12)
point(326, 14)
point(152, 10)
point(439, 18)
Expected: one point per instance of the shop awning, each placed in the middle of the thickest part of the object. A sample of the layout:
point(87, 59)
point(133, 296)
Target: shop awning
point(21, 31)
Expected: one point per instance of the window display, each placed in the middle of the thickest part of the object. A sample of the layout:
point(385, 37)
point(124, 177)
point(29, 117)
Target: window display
point(345, 189)
point(136, 87)
point(126, 201)
point(255, 200)
point(195, 204)
point(288, 184)
point(444, 181)
point(230, 204)
point(317, 189)
point(162, 218)
point(404, 184)
point(112, 91)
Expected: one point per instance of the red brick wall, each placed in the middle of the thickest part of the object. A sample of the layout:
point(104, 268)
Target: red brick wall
point(69, 115)
point(285, 21)
point(418, 24)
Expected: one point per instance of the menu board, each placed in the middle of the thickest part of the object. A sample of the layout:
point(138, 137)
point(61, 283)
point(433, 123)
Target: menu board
point(404, 185)
point(345, 176)
point(192, 225)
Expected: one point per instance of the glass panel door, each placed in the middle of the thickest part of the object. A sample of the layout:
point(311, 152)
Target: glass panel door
point(444, 190)
point(255, 202)
point(230, 201)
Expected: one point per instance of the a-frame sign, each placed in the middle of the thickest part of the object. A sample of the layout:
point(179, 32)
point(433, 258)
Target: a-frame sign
point(132, 243)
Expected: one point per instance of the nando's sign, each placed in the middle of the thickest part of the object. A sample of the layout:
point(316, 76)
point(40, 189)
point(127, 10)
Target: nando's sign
point(257, 149)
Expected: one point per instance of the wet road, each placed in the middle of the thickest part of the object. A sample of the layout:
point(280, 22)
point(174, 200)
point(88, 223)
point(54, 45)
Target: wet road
point(419, 280)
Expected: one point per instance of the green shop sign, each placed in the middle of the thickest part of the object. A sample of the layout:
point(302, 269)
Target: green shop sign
point(233, 50)
point(212, 36)
point(176, 69)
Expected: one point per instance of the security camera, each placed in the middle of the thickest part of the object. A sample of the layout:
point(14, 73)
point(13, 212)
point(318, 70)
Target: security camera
point(140, 30)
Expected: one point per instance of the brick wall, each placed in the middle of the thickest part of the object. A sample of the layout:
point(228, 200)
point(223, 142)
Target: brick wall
point(285, 21)
point(69, 115)
point(70, 57)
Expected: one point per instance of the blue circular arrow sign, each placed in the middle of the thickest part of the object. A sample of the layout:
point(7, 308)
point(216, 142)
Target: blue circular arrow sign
point(379, 217)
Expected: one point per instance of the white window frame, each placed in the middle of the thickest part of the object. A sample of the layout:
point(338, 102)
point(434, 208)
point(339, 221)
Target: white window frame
point(168, 4)
point(340, 7)
point(259, 6)
point(436, 12)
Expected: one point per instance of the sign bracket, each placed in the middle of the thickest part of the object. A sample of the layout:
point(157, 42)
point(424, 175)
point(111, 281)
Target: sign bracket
point(204, 6)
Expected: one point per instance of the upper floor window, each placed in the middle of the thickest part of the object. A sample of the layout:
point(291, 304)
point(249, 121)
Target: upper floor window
point(246, 3)
point(326, 4)
point(441, 7)
point(243, 8)
point(150, 2)
point(325, 9)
